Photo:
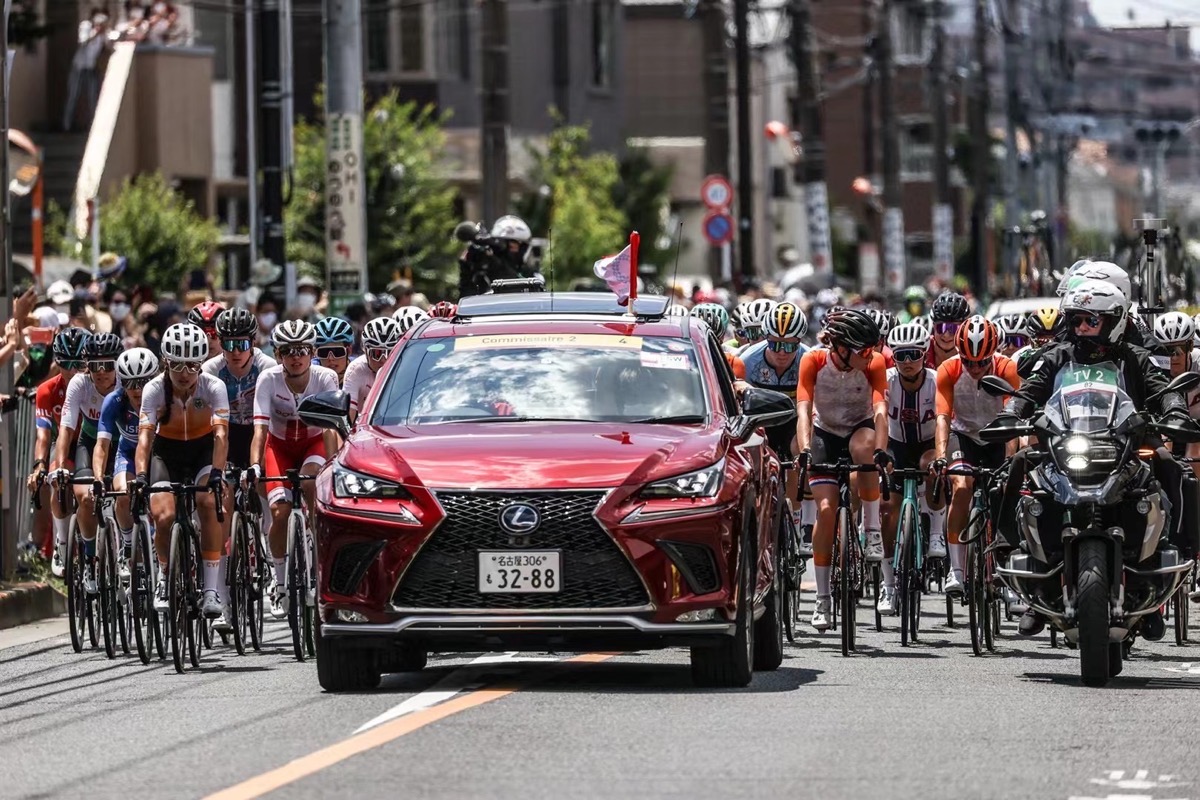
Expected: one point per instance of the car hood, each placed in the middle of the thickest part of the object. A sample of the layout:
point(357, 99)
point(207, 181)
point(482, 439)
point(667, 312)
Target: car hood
point(526, 455)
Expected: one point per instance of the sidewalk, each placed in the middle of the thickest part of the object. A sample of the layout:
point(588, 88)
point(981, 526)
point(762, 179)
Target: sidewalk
point(21, 603)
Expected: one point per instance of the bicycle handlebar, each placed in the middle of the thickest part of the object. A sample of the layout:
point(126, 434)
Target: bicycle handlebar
point(846, 468)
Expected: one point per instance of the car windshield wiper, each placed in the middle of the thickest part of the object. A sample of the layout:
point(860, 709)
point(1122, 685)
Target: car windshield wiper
point(678, 419)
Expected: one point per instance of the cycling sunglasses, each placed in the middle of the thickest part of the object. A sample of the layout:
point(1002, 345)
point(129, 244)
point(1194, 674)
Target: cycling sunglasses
point(73, 366)
point(295, 350)
point(1017, 340)
point(236, 345)
point(190, 367)
point(1179, 350)
point(1091, 320)
point(946, 327)
point(136, 383)
point(378, 353)
point(902, 356)
point(783, 347)
point(749, 334)
point(101, 366)
point(976, 363)
point(332, 351)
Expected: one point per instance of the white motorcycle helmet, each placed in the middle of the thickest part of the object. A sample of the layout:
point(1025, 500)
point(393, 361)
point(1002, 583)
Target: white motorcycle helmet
point(1102, 299)
point(512, 228)
point(1102, 271)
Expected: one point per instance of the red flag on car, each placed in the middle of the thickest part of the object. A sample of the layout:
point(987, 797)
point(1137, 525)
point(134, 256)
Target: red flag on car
point(620, 271)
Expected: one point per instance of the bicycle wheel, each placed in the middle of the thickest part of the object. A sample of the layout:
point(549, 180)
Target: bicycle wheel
point(141, 597)
point(789, 562)
point(235, 584)
point(1179, 603)
point(295, 588)
point(76, 596)
point(120, 600)
point(106, 579)
point(846, 591)
point(907, 572)
point(310, 590)
point(179, 629)
point(876, 585)
point(200, 632)
point(977, 611)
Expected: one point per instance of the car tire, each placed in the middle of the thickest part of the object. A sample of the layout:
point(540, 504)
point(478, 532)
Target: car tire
point(729, 664)
point(342, 669)
point(768, 630)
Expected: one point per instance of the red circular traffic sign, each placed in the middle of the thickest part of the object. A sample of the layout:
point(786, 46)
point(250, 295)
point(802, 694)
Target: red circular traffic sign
point(716, 192)
point(718, 227)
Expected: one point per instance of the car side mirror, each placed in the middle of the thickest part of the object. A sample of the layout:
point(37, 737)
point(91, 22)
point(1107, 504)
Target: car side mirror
point(327, 410)
point(766, 408)
point(998, 387)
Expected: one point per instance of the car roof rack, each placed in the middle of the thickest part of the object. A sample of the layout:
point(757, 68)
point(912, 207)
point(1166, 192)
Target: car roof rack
point(536, 283)
point(646, 307)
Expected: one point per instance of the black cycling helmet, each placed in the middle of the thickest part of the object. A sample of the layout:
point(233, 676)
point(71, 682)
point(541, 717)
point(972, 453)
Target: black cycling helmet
point(71, 344)
point(851, 328)
point(104, 346)
point(236, 323)
point(950, 307)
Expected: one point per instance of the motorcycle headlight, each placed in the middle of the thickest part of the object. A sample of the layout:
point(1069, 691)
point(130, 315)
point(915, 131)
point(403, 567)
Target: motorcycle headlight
point(701, 483)
point(1077, 445)
point(1079, 463)
point(348, 483)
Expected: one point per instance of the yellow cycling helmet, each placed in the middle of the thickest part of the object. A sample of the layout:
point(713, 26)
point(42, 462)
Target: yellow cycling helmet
point(1043, 322)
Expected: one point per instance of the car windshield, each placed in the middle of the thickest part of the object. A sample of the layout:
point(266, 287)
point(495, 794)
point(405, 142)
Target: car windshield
point(520, 377)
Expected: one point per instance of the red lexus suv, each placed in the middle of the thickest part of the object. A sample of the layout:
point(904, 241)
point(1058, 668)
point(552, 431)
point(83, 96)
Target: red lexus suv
point(549, 472)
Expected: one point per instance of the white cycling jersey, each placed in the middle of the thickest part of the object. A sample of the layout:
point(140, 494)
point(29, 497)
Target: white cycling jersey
point(912, 416)
point(277, 406)
point(83, 400)
point(358, 382)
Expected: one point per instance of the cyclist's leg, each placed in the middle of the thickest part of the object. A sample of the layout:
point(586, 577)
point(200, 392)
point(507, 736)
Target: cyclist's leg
point(211, 530)
point(314, 459)
point(862, 451)
point(60, 520)
point(85, 509)
point(162, 512)
point(826, 448)
point(961, 486)
point(277, 459)
point(122, 473)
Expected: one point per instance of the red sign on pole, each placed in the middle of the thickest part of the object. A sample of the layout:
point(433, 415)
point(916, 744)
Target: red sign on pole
point(716, 192)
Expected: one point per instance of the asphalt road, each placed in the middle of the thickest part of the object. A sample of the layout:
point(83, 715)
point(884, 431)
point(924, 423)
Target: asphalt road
point(929, 721)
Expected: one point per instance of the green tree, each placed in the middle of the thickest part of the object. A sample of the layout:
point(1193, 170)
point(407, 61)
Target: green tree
point(151, 224)
point(644, 194)
point(410, 205)
point(572, 196)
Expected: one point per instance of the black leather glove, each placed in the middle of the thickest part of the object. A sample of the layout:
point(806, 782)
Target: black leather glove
point(883, 459)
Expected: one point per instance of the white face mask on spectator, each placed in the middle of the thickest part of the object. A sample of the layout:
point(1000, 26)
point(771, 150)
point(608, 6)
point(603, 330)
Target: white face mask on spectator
point(305, 301)
point(268, 320)
point(118, 311)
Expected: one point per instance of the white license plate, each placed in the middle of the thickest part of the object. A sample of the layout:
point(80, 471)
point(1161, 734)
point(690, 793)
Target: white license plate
point(520, 572)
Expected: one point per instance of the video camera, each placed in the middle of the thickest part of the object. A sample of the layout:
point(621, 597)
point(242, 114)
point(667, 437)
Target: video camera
point(487, 259)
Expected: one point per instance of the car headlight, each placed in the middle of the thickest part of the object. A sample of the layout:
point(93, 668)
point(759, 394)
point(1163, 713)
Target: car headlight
point(701, 483)
point(347, 483)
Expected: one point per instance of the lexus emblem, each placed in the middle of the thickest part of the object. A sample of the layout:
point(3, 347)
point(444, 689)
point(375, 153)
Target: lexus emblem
point(520, 519)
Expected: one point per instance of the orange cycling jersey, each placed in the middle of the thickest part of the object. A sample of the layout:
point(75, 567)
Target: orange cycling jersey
point(191, 417)
point(841, 399)
point(960, 397)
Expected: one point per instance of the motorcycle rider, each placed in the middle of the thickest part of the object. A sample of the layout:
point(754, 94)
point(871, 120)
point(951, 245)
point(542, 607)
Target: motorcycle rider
point(1096, 321)
point(508, 254)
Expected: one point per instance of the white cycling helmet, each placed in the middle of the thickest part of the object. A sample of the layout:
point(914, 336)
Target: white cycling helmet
point(1011, 324)
point(756, 314)
point(740, 313)
point(909, 336)
point(676, 310)
point(381, 332)
point(138, 364)
point(925, 321)
point(408, 316)
point(1174, 328)
point(786, 321)
point(185, 343)
point(510, 227)
point(1196, 323)
point(882, 318)
point(293, 332)
point(1101, 271)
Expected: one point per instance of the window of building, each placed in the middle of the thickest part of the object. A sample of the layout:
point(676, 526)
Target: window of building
point(214, 28)
point(455, 38)
point(603, 43)
point(397, 38)
point(910, 44)
point(916, 151)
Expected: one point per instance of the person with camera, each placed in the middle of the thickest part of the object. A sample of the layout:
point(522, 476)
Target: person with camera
point(492, 255)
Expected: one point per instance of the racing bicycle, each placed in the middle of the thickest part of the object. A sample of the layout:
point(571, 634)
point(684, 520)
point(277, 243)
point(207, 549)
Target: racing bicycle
point(301, 567)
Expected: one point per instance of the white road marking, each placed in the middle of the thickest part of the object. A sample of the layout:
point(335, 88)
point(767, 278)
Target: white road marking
point(1187, 668)
point(1141, 781)
point(464, 678)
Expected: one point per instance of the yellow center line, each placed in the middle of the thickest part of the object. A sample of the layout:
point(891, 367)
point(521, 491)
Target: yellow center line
point(368, 740)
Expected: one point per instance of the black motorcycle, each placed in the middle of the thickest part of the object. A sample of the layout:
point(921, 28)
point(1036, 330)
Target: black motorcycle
point(1094, 520)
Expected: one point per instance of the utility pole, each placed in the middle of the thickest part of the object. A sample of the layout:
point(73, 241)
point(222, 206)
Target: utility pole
point(270, 72)
point(745, 177)
point(1062, 151)
point(716, 103)
point(810, 170)
point(1012, 109)
point(895, 270)
point(980, 150)
point(345, 183)
point(8, 444)
point(943, 211)
point(494, 134)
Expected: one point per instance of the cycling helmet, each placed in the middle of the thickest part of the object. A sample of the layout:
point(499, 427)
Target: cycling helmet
point(914, 294)
point(849, 327)
point(513, 228)
point(236, 323)
point(443, 310)
point(676, 310)
point(381, 332)
point(1103, 300)
point(185, 342)
point(909, 336)
point(205, 315)
point(756, 314)
point(409, 316)
point(104, 346)
point(1101, 271)
point(334, 330)
point(1174, 328)
point(1196, 323)
point(977, 339)
point(1011, 325)
point(883, 319)
point(950, 307)
point(71, 344)
point(740, 314)
point(138, 364)
point(925, 321)
point(293, 332)
point(713, 315)
point(786, 321)
point(1043, 322)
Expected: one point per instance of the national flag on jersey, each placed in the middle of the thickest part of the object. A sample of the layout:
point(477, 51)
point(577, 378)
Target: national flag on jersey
point(620, 271)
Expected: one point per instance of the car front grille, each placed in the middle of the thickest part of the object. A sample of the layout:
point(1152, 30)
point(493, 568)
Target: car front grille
point(445, 573)
point(696, 563)
point(351, 563)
